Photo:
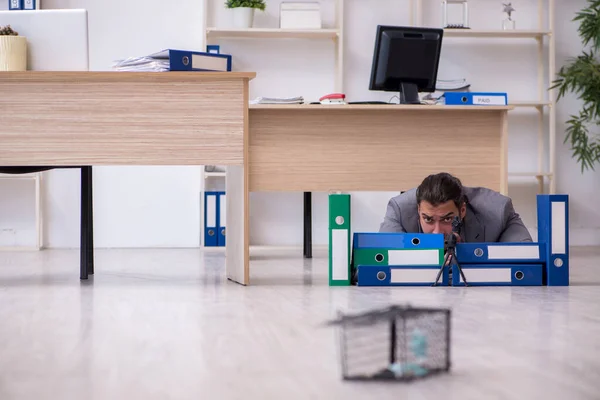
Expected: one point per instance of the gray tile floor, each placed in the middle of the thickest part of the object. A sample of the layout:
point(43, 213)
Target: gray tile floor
point(165, 324)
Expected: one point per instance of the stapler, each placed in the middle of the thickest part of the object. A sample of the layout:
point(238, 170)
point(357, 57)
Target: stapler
point(333, 98)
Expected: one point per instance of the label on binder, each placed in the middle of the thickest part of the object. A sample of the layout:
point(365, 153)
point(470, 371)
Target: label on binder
point(489, 100)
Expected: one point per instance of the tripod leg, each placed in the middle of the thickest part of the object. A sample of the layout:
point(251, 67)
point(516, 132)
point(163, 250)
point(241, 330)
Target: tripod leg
point(441, 270)
point(462, 275)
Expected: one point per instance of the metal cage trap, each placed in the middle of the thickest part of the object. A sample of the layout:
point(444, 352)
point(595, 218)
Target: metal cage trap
point(398, 343)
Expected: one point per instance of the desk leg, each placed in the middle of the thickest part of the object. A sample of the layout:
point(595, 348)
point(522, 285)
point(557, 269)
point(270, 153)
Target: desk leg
point(238, 213)
point(86, 265)
point(90, 223)
point(308, 224)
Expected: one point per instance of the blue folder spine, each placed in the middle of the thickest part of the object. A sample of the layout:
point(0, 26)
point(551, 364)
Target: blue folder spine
point(503, 252)
point(180, 60)
point(475, 99)
point(391, 240)
point(553, 229)
point(15, 4)
point(221, 218)
point(390, 275)
point(211, 205)
point(499, 275)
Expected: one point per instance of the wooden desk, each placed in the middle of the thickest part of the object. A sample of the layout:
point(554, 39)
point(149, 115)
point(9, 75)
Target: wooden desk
point(308, 148)
point(121, 118)
point(133, 118)
point(375, 147)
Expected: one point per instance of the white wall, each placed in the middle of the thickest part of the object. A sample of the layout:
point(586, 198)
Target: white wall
point(138, 206)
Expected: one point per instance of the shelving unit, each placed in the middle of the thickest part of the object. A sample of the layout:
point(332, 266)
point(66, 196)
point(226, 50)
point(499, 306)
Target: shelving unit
point(212, 34)
point(545, 104)
point(270, 33)
point(37, 179)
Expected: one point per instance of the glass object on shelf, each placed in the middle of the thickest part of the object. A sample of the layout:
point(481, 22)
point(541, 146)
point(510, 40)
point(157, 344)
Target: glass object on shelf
point(214, 168)
point(464, 24)
point(508, 23)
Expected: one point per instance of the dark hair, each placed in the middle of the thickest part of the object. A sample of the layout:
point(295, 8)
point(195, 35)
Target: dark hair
point(440, 188)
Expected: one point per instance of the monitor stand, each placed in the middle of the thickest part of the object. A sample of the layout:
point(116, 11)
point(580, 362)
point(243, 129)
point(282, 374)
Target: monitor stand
point(409, 93)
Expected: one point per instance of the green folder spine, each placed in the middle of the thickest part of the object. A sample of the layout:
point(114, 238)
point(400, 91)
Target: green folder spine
point(373, 256)
point(339, 240)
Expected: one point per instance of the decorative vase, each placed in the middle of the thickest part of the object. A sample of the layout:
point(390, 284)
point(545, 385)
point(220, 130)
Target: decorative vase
point(243, 17)
point(13, 53)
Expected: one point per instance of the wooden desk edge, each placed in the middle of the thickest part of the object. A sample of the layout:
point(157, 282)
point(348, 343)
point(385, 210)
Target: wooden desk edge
point(351, 107)
point(120, 76)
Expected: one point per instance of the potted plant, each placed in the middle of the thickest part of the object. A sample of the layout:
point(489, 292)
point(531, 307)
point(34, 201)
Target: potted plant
point(580, 76)
point(243, 11)
point(13, 50)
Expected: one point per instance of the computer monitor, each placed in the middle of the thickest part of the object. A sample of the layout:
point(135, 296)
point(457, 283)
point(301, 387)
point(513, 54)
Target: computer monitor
point(406, 60)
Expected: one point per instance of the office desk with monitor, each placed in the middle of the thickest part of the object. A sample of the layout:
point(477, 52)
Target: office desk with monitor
point(321, 148)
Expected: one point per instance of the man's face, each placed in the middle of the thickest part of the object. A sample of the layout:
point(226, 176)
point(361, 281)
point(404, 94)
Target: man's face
point(438, 219)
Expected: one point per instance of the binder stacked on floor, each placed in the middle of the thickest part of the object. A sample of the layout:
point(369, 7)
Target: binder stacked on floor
point(500, 264)
point(553, 230)
point(545, 262)
point(398, 259)
point(415, 259)
point(339, 239)
point(214, 219)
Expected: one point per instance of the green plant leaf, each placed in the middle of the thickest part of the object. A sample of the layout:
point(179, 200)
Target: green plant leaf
point(581, 76)
point(260, 4)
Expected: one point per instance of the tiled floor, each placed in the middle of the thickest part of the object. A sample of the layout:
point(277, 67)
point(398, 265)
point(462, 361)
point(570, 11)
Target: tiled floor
point(165, 324)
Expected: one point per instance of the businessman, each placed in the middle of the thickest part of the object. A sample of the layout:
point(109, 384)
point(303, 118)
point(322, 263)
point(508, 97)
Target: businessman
point(487, 216)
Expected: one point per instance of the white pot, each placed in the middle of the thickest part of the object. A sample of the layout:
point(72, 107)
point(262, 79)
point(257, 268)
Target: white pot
point(243, 17)
point(13, 53)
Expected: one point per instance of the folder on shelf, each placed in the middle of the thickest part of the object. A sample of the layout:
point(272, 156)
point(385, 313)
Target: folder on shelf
point(553, 229)
point(339, 239)
point(210, 219)
point(408, 275)
point(476, 99)
point(30, 4)
point(504, 252)
point(222, 214)
point(499, 275)
point(15, 4)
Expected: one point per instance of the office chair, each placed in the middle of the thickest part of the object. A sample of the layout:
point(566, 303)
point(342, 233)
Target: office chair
point(87, 219)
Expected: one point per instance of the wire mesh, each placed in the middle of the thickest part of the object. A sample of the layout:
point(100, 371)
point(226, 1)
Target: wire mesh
point(397, 343)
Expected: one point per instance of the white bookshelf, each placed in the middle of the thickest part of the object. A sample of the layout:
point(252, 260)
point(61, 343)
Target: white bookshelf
point(213, 32)
point(545, 103)
point(498, 34)
point(36, 178)
point(272, 33)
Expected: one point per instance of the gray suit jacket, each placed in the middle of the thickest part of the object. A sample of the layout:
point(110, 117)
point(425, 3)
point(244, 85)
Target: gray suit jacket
point(490, 217)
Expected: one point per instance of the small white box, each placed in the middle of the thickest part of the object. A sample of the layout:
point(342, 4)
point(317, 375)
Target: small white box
point(300, 15)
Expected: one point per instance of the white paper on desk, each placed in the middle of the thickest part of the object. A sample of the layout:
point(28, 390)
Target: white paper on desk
point(451, 84)
point(278, 100)
point(142, 64)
